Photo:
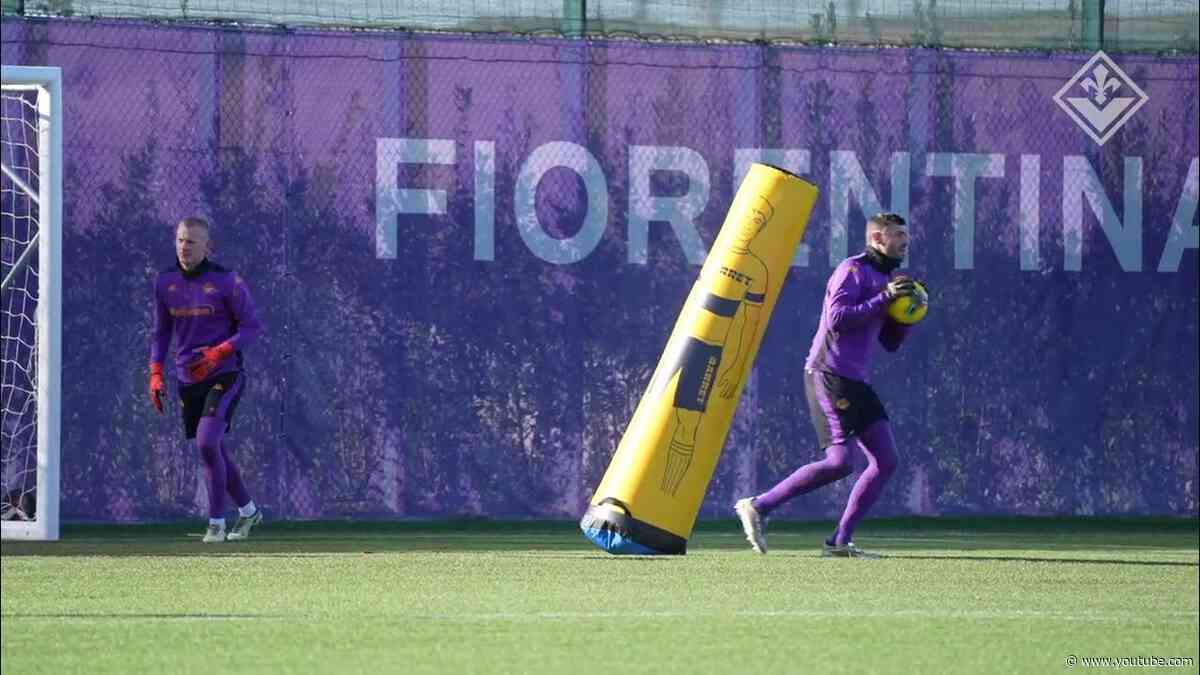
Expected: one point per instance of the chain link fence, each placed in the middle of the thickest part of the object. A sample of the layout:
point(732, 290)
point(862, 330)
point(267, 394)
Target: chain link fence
point(1114, 25)
point(464, 367)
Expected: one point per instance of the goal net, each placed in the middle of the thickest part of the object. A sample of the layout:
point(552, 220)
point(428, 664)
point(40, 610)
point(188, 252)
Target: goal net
point(30, 300)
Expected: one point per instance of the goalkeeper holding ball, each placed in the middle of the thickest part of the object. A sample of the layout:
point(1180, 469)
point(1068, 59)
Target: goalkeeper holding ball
point(208, 311)
point(843, 406)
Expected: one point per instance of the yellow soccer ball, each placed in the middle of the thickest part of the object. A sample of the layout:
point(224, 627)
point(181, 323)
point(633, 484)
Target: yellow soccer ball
point(910, 309)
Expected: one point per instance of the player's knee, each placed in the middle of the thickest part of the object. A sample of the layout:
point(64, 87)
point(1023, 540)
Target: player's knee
point(209, 452)
point(839, 465)
point(842, 469)
point(208, 439)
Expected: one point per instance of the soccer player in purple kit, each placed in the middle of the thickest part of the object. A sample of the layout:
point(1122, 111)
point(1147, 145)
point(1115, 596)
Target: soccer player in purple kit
point(843, 406)
point(207, 310)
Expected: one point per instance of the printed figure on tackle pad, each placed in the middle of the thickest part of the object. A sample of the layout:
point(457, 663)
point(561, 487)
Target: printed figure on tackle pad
point(714, 354)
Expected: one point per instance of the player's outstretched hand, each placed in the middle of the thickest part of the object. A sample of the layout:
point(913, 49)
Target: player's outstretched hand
point(899, 287)
point(157, 385)
point(210, 359)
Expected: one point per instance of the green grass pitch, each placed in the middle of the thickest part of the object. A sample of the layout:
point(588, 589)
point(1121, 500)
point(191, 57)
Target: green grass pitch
point(954, 596)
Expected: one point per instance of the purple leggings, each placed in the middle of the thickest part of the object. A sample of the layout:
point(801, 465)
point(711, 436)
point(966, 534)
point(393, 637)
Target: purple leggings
point(880, 447)
point(223, 474)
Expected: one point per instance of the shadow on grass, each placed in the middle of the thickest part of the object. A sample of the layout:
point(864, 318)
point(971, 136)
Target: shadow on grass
point(1127, 536)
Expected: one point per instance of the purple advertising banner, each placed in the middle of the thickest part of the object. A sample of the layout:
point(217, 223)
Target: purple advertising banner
point(468, 253)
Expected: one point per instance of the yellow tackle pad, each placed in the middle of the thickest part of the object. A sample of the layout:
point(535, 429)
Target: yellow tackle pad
point(650, 495)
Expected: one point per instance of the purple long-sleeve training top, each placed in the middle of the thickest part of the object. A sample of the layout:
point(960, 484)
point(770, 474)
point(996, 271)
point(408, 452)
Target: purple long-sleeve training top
point(202, 308)
point(854, 317)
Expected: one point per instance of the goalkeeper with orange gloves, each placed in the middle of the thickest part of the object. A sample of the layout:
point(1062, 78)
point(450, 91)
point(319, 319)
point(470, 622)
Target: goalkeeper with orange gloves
point(208, 312)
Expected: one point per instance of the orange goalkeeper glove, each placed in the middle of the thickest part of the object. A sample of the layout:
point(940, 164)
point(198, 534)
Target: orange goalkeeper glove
point(157, 384)
point(210, 358)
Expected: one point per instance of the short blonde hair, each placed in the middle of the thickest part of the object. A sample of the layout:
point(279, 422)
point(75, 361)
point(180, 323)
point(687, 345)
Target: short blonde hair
point(195, 221)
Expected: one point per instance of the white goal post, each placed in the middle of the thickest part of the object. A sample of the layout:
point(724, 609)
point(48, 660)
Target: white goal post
point(31, 300)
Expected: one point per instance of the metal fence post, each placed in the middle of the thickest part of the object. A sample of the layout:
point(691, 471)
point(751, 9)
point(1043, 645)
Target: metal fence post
point(574, 18)
point(1093, 24)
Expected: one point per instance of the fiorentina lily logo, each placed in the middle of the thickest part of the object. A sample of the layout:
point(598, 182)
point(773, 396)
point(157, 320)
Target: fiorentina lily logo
point(1100, 97)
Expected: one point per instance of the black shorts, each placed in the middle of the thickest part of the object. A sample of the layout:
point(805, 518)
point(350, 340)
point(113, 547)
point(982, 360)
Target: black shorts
point(215, 397)
point(698, 374)
point(840, 408)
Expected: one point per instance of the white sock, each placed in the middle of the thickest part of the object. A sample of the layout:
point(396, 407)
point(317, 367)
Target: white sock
point(219, 522)
point(248, 509)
